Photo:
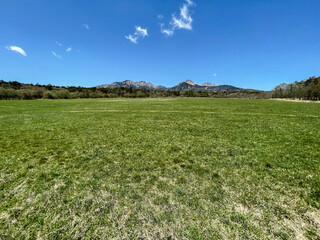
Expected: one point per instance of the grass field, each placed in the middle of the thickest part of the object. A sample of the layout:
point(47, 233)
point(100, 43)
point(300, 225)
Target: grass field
point(159, 169)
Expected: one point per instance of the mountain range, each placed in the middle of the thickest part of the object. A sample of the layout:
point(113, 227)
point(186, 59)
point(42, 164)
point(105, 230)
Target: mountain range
point(187, 85)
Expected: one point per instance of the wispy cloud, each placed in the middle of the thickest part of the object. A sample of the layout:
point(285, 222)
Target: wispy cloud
point(182, 21)
point(133, 39)
point(69, 49)
point(166, 31)
point(214, 74)
point(17, 49)
point(56, 55)
point(160, 16)
point(86, 26)
point(140, 33)
point(59, 44)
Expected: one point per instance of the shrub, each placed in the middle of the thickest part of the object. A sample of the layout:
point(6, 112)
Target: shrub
point(62, 94)
point(49, 95)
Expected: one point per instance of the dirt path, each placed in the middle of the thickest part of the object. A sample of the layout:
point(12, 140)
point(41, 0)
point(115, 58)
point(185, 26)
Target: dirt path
point(294, 100)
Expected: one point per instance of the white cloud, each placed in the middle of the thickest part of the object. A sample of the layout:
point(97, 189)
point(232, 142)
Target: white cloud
point(190, 2)
point(133, 39)
point(166, 31)
point(69, 49)
point(214, 74)
point(86, 26)
point(17, 49)
point(140, 33)
point(160, 16)
point(182, 21)
point(59, 44)
point(56, 55)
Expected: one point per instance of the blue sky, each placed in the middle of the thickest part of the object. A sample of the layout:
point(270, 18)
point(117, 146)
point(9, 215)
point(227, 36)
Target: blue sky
point(246, 43)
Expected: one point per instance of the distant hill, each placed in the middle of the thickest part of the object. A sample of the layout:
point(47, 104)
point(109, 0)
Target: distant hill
point(138, 85)
point(183, 86)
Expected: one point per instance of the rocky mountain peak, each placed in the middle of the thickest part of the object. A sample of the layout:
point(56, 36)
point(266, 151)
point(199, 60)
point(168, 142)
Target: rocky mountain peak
point(187, 85)
point(189, 82)
point(209, 85)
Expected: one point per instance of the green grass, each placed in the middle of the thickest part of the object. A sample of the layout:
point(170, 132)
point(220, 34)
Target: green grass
point(159, 169)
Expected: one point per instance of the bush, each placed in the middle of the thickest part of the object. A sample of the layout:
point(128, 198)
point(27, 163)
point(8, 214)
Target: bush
point(62, 94)
point(2, 93)
point(10, 94)
point(27, 94)
point(49, 95)
point(74, 95)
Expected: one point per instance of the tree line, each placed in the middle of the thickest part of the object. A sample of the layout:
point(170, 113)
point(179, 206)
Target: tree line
point(16, 90)
point(304, 90)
